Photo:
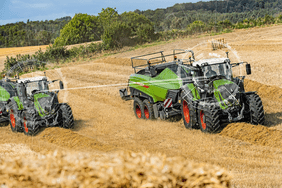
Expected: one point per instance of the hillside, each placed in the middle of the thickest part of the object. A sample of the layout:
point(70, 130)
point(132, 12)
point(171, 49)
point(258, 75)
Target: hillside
point(179, 16)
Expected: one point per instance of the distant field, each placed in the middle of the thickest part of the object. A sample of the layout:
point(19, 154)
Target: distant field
point(18, 50)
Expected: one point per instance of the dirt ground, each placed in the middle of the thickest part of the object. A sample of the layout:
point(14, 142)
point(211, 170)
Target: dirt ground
point(106, 124)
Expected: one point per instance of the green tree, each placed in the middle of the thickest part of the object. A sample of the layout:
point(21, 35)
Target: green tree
point(43, 37)
point(196, 27)
point(106, 16)
point(140, 26)
point(82, 28)
point(115, 34)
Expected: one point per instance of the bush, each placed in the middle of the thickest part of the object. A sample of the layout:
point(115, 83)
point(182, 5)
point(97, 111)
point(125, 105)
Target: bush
point(196, 27)
point(268, 19)
point(115, 34)
point(54, 53)
point(145, 32)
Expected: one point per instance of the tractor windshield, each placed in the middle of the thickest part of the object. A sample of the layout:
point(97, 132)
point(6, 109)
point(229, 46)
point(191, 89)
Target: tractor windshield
point(39, 86)
point(222, 69)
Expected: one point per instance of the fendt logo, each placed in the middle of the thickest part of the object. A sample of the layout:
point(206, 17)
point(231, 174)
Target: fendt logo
point(140, 84)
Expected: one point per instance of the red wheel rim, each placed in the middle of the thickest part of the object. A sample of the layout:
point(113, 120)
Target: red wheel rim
point(146, 112)
point(138, 111)
point(25, 125)
point(186, 112)
point(12, 118)
point(204, 126)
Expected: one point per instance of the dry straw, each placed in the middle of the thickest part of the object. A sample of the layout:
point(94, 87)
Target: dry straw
point(122, 169)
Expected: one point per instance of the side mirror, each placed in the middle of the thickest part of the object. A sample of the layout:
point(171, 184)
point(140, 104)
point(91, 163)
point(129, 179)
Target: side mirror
point(61, 85)
point(248, 69)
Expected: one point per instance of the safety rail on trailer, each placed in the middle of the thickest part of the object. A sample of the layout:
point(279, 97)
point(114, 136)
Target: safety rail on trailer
point(162, 57)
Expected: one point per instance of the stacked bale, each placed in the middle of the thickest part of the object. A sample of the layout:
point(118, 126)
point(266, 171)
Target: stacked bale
point(122, 169)
point(217, 43)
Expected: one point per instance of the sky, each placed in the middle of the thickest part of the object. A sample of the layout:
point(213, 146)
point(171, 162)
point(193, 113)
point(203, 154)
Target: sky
point(12, 11)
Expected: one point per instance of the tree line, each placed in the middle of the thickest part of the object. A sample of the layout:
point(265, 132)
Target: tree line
point(112, 27)
point(181, 15)
point(31, 33)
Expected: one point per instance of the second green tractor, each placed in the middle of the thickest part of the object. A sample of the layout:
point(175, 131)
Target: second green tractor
point(28, 104)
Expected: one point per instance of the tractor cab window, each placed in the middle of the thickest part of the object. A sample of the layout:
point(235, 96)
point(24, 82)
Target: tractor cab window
point(33, 86)
point(185, 74)
point(221, 69)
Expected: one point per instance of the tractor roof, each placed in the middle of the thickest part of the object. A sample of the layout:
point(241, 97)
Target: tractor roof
point(33, 79)
point(210, 61)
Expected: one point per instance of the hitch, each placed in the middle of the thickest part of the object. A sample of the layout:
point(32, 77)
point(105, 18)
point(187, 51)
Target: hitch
point(124, 95)
point(239, 117)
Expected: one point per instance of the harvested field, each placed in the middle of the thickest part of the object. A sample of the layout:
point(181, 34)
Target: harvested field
point(104, 124)
point(18, 50)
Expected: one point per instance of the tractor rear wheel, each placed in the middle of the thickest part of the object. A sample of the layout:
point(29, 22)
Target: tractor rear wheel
point(148, 110)
point(66, 120)
point(30, 126)
point(256, 110)
point(208, 118)
point(14, 119)
point(138, 107)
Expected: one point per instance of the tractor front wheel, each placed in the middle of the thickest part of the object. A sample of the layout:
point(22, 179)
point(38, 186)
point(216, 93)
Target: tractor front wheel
point(256, 110)
point(67, 120)
point(30, 127)
point(208, 118)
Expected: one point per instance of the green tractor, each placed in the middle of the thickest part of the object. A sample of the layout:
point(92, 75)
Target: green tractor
point(29, 105)
point(204, 92)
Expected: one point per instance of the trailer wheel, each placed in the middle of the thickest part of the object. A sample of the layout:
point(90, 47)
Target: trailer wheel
point(66, 120)
point(256, 110)
point(208, 118)
point(30, 127)
point(14, 120)
point(148, 110)
point(138, 107)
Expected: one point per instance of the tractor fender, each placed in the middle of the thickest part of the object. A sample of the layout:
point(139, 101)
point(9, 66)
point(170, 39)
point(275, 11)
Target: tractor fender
point(16, 101)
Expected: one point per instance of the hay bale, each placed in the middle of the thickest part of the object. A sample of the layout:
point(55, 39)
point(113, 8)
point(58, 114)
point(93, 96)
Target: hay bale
point(122, 169)
point(218, 43)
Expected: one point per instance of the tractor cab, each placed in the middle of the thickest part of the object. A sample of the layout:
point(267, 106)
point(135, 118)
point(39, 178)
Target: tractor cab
point(215, 67)
point(35, 84)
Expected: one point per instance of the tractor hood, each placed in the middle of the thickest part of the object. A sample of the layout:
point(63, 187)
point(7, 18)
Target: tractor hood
point(45, 103)
point(225, 92)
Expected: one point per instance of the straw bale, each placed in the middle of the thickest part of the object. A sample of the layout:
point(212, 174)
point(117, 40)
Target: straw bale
point(120, 169)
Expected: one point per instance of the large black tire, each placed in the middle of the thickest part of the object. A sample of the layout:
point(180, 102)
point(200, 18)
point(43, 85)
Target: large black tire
point(148, 110)
point(256, 110)
point(30, 126)
point(189, 114)
point(138, 107)
point(14, 119)
point(66, 120)
point(208, 118)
